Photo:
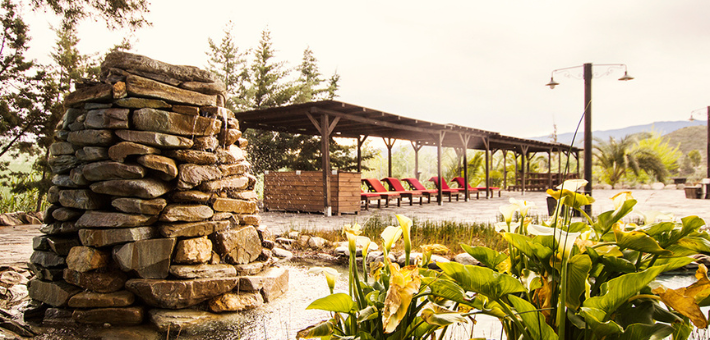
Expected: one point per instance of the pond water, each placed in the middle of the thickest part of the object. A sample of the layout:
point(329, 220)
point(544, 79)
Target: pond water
point(283, 318)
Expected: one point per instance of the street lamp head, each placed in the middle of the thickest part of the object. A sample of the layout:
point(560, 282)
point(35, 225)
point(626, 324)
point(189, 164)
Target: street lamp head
point(626, 76)
point(552, 83)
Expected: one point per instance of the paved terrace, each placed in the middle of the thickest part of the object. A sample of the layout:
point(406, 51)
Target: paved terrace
point(486, 210)
point(16, 242)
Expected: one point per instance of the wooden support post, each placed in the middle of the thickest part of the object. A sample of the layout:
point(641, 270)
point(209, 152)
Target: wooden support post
point(523, 158)
point(416, 146)
point(488, 170)
point(325, 128)
point(360, 142)
point(464, 141)
point(439, 151)
point(549, 169)
point(389, 142)
point(505, 170)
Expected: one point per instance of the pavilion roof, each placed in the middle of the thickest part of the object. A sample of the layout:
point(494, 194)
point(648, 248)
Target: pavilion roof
point(355, 121)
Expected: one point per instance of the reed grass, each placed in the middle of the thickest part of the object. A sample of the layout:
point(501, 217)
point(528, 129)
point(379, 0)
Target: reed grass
point(448, 233)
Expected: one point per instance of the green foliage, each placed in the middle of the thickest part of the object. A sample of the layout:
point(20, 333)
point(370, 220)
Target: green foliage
point(615, 158)
point(255, 80)
point(599, 285)
point(115, 13)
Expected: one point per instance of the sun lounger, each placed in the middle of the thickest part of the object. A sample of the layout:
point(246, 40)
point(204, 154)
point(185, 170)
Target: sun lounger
point(375, 186)
point(368, 197)
point(445, 187)
point(471, 190)
point(396, 186)
point(414, 183)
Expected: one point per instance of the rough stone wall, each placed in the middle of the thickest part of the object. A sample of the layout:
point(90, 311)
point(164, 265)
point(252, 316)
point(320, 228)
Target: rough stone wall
point(153, 205)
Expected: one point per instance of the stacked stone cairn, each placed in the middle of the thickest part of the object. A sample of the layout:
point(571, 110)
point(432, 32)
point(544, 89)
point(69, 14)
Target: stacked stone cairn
point(153, 209)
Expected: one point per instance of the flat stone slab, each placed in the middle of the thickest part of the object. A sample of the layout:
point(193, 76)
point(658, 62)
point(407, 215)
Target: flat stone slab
point(139, 103)
point(97, 281)
point(150, 259)
point(110, 237)
point(118, 316)
point(186, 213)
point(235, 206)
point(191, 175)
point(47, 259)
point(144, 87)
point(55, 293)
point(108, 170)
point(140, 63)
point(120, 151)
point(227, 183)
point(91, 137)
point(103, 219)
point(100, 92)
point(201, 271)
point(139, 206)
point(114, 118)
point(121, 298)
point(235, 302)
point(156, 139)
point(176, 294)
point(164, 166)
point(81, 199)
point(187, 320)
point(174, 123)
point(141, 188)
point(272, 283)
point(192, 229)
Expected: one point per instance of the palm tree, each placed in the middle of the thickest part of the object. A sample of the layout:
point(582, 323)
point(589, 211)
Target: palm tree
point(616, 157)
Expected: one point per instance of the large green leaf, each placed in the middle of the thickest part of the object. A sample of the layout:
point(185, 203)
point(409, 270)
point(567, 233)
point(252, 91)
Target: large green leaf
point(690, 224)
point(578, 268)
point(639, 331)
point(489, 257)
point(533, 320)
point(482, 280)
point(618, 264)
point(671, 263)
point(338, 302)
point(638, 240)
point(595, 319)
point(322, 330)
point(606, 219)
point(445, 289)
point(659, 228)
point(616, 291)
point(527, 246)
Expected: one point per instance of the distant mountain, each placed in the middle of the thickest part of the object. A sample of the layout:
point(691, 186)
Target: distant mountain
point(661, 127)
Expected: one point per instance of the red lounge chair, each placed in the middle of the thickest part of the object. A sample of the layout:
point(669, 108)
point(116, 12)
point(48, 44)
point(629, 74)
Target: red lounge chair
point(460, 181)
point(368, 197)
point(445, 187)
point(375, 186)
point(396, 186)
point(414, 183)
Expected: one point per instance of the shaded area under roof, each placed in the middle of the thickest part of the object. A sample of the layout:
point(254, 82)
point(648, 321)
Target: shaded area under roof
point(348, 120)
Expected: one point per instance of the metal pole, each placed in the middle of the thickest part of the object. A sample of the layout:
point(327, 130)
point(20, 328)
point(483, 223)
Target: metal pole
point(588, 132)
point(708, 145)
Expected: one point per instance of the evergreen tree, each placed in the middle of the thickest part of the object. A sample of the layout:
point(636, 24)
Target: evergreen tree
point(269, 86)
point(229, 64)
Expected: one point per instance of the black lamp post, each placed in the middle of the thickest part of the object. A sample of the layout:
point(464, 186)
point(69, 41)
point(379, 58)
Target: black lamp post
point(587, 76)
point(707, 175)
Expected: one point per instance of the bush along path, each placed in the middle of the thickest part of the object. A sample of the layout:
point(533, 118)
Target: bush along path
point(561, 279)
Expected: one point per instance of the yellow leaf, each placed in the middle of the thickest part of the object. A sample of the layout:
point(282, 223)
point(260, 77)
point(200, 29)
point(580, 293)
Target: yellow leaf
point(404, 283)
point(685, 300)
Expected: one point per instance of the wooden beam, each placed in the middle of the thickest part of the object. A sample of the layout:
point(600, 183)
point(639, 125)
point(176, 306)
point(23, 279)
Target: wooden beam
point(325, 152)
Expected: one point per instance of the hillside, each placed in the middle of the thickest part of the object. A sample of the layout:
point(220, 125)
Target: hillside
point(689, 138)
point(661, 127)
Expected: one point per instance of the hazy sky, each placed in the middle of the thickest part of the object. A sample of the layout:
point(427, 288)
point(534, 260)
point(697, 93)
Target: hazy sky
point(482, 64)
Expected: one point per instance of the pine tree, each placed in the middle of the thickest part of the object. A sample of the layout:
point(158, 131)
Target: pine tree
point(268, 79)
point(229, 64)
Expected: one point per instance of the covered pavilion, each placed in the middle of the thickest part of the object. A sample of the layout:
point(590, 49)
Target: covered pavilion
point(338, 119)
